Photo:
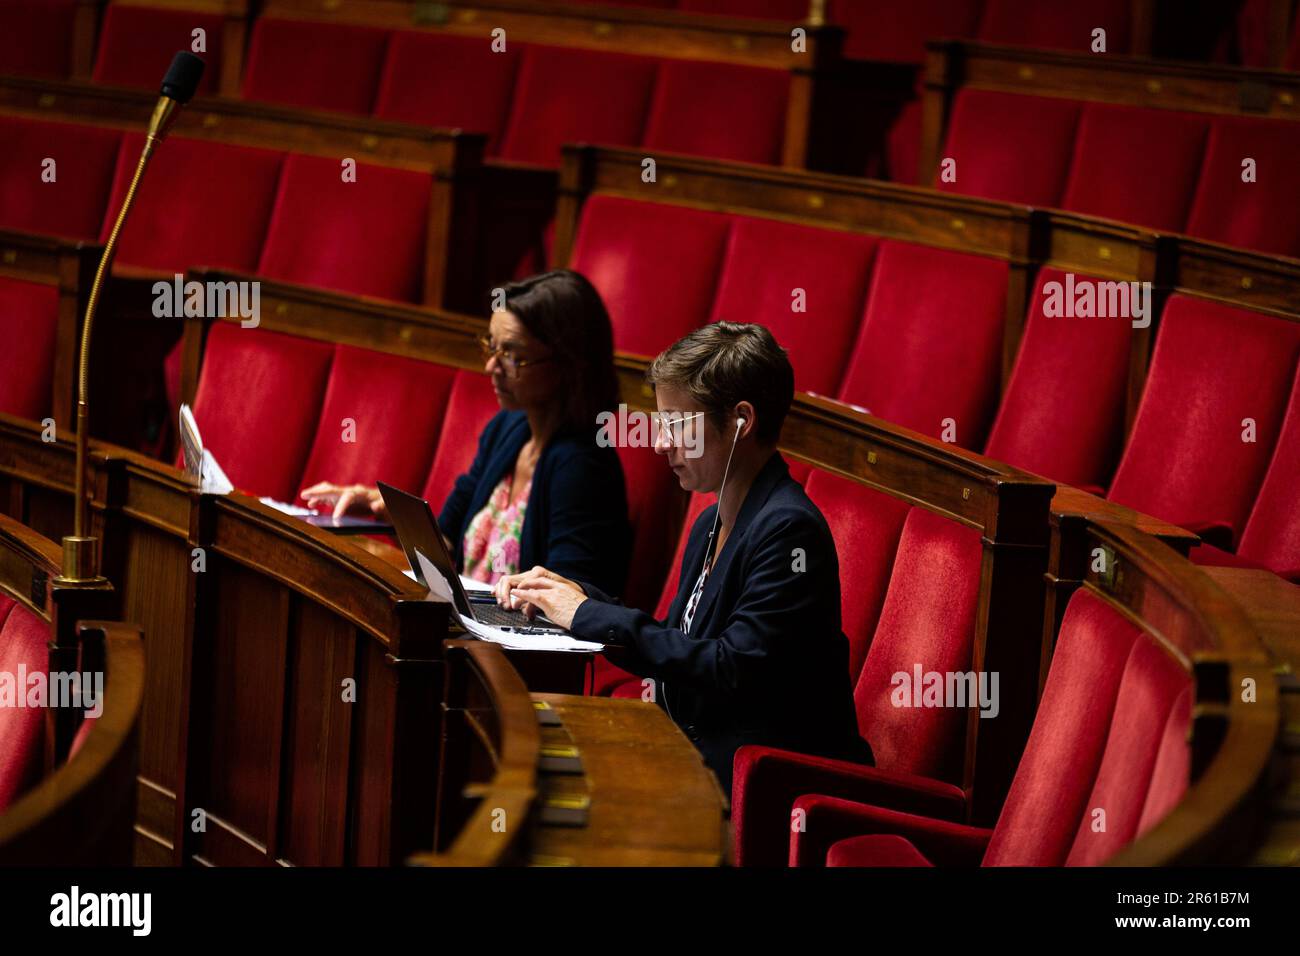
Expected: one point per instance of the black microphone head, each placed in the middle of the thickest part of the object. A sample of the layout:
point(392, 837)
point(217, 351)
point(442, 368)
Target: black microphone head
point(182, 77)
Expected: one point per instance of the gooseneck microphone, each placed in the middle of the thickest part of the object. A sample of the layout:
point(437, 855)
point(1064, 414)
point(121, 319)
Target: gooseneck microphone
point(80, 555)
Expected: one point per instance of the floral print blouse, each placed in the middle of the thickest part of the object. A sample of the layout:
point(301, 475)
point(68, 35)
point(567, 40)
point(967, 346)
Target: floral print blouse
point(492, 538)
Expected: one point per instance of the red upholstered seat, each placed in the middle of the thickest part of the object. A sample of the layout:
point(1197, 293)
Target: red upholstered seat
point(1010, 147)
point(1136, 165)
point(1213, 368)
point(719, 110)
point(136, 45)
point(1272, 535)
point(23, 637)
point(767, 261)
point(365, 237)
point(930, 344)
point(34, 37)
point(436, 79)
point(29, 320)
point(380, 420)
point(1066, 26)
point(326, 66)
point(73, 204)
point(471, 403)
point(655, 265)
point(258, 403)
point(183, 208)
point(886, 849)
point(1249, 214)
point(896, 30)
point(903, 143)
point(654, 502)
point(568, 96)
point(1062, 414)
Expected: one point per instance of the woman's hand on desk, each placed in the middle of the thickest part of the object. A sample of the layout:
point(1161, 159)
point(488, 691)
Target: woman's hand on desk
point(345, 499)
point(540, 590)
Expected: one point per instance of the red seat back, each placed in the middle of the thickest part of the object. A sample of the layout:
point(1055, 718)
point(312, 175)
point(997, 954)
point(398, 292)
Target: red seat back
point(655, 500)
point(897, 29)
point(23, 639)
point(471, 403)
point(927, 621)
point(29, 324)
point(1062, 414)
point(1213, 368)
point(358, 439)
point(1065, 26)
point(324, 66)
point(930, 344)
point(183, 209)
point(136, 45)
point(694, 508)
point(258, 403)
point(1272, 535)
point(655, 265)
point(718, 110)
point(767, 261)
point(73, 204)
point(34, 37)
point(1110, 735)
point(365, 237)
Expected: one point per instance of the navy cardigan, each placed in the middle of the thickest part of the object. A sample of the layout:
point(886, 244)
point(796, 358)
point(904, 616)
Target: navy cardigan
point(766, 661)
point(576, 520)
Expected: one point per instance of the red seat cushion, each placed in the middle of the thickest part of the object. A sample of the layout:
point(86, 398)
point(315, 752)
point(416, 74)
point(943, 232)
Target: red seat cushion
point(1062, 414)
point(718, 110)
point(930, 344)
point(471, 403)
point(34, 37)
point(1213, 367)
point(73, 204)
point(1136, 165)
point(29, 325)
point(571, 96)
point(182, 215)
point(136, 45)
point(359, 440)
point(928, 620)
point(289, 62)
point(866, 525)
point(1247, 214)
point(258, 403)
point(1010, 147)
point(365, 237)
point(435, 79)
point(1272, 535)
point(766, 261)
point(23, 637)
point(655, 265)
point(877, 849)
point(1066, 26)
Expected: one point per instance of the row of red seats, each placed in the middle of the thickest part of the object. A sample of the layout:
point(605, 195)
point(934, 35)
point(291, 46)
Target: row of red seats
point(914, 334)
point(1164, 169)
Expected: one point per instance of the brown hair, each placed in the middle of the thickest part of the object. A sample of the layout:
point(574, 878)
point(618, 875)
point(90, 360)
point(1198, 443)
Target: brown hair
point(724, 363)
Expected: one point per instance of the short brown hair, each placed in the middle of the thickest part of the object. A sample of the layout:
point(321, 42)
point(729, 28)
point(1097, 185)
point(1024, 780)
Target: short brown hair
point(724, 363)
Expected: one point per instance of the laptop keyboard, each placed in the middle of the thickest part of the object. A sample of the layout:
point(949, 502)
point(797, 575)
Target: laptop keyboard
point(495, 615)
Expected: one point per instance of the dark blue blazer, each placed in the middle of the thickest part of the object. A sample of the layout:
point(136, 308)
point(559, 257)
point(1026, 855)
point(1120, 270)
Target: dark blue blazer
point(766, 661)
point(576, 521)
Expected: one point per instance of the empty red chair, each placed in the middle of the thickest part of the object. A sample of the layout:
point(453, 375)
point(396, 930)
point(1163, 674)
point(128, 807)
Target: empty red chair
point(1136, 165)
point(654, 502)
point(73, 203)
point(771, 268)
point(1110, 735)
point(1272, 535)
point(1254, 215)
point(567, 95)
point(136, 45)
point(380, 420)
point(1065, 26)
point(453, 82)
point(1213, 368)
point(258, 404)
point(930, 345)
point(928, 619)
point(23, 638)
point(655, 265)
point(1062, 413)
point(471, 403)
point(718, 110)
point(29, 324)
point(35, 37)
point(1009, 147)
point(325, 66)
point(202, 204)
point(365, 237)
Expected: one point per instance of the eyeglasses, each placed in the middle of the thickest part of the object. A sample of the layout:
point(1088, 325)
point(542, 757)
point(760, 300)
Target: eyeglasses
point(510, 362)
point(673, 429)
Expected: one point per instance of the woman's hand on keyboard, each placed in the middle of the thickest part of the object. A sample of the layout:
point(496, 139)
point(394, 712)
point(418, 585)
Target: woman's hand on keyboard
point(345, 499)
